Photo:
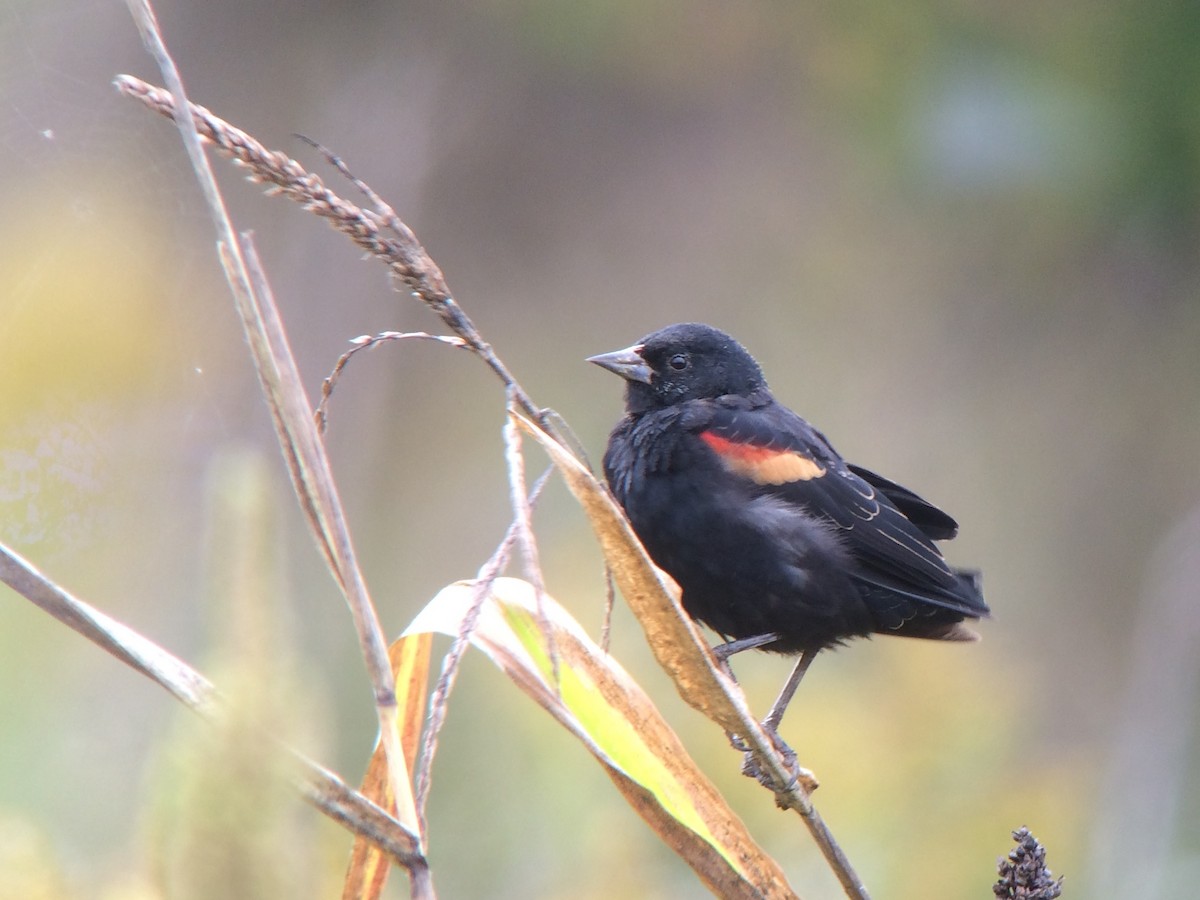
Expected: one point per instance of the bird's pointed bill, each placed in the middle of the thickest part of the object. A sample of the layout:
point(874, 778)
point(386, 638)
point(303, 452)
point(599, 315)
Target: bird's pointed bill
point(627, 363)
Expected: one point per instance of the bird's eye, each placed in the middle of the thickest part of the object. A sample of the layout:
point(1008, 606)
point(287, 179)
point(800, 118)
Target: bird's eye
point(678, 362)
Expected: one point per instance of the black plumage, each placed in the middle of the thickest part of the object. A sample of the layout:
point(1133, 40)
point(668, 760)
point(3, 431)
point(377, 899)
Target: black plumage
point(767, 530)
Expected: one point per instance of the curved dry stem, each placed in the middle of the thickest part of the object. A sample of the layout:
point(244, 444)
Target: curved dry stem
point(366, 342)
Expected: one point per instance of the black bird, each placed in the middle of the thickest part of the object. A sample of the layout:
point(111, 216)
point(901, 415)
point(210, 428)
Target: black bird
point(776, 541)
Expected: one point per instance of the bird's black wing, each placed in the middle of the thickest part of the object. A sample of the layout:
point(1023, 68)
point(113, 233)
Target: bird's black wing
point(886, 527)
point(936, 524)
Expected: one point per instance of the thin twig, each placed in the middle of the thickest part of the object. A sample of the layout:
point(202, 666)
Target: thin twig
point(523, 519)
point(365, 342)
point(452, 661)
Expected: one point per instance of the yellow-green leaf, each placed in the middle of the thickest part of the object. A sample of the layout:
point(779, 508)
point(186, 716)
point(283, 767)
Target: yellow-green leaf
point(598, 702)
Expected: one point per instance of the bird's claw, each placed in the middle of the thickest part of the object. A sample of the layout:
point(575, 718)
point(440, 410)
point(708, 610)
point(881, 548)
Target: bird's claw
point(798, 776)
point(737, 742)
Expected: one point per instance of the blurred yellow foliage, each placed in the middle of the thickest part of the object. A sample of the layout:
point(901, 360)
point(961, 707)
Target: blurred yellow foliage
point(83, 318)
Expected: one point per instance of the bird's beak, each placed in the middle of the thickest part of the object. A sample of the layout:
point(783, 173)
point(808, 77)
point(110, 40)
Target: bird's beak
point(627, 363)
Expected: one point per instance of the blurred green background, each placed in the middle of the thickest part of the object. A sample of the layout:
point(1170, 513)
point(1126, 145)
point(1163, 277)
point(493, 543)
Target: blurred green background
point(961, 238)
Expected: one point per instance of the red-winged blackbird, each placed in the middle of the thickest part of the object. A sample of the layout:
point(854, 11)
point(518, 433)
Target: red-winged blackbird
point(777, 542)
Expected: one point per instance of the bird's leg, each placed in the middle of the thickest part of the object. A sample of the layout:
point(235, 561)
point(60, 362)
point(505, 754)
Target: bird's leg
point(750, 766)
point(775, 716)
point(726, 650)
point(723, 651)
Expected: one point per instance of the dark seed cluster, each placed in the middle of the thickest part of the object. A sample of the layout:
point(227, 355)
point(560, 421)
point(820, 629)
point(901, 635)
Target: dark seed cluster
point(1023, 875)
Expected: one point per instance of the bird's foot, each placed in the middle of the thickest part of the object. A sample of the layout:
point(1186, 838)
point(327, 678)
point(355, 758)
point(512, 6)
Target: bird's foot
point(794, 775)
point(753, 767)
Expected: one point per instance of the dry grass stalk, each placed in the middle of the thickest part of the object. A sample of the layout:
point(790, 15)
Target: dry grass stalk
point(318, 785)
point(301, 445)
point(382, 235)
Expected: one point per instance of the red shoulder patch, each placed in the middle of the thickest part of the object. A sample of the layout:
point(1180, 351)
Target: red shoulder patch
point(761, 464)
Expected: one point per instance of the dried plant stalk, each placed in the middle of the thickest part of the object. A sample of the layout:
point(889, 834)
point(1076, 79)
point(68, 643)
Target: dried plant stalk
point(301, 445)
point(385, 237)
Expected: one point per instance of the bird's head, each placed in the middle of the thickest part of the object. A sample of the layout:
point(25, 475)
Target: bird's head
point(680, 363)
